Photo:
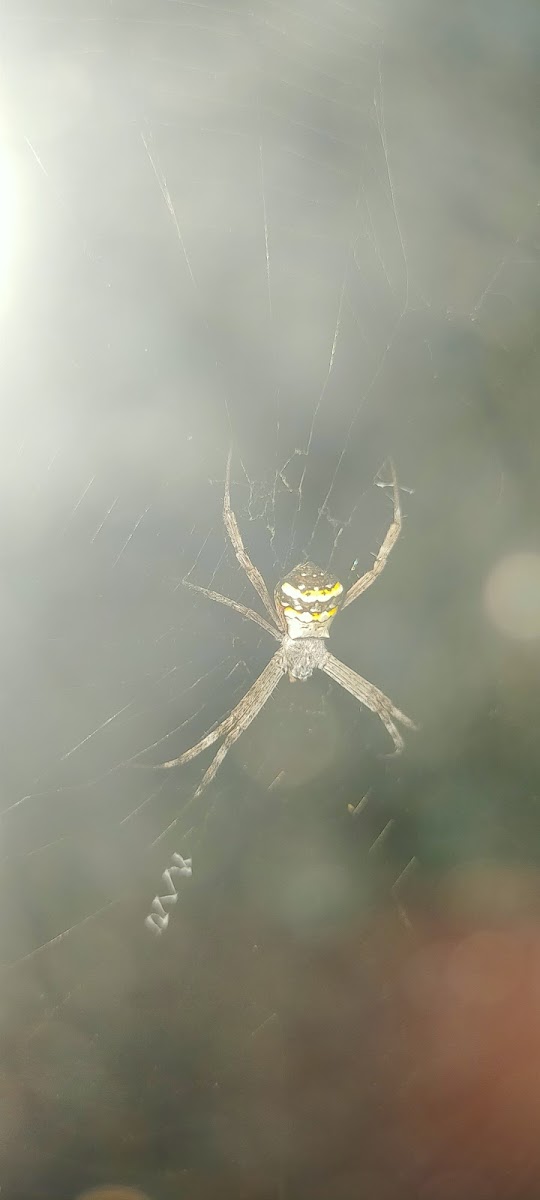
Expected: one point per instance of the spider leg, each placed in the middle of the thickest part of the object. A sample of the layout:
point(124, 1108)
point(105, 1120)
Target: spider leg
point(237, 721)
point(250, 707)
point(390, 540)
point(252, 572)
point(233, 725)
point(239, 608)
point(369, 695)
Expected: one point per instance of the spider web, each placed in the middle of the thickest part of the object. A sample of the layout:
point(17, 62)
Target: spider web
point(288, 230)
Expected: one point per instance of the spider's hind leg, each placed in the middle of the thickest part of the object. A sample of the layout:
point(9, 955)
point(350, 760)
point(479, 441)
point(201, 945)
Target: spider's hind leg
point(390, 540)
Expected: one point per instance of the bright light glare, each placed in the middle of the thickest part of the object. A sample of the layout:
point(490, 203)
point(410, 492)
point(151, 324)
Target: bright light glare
point(8, 225)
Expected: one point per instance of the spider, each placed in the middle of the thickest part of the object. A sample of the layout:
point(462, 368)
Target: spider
point(305, 604)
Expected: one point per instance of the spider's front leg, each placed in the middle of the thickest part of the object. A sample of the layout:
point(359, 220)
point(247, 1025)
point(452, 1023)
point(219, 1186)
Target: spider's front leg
point(233, 725)
point(245, 712)
point(369, 695)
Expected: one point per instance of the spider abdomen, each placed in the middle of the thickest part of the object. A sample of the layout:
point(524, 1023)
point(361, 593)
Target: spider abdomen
point(309, 599)
point(302, 656)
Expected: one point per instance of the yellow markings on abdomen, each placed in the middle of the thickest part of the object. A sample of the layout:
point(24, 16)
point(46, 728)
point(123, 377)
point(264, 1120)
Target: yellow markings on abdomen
point(311, 593)
point(308, 615)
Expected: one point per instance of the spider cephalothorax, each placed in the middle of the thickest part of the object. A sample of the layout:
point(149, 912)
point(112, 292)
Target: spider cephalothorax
point(310, 599)
point(305, 604)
